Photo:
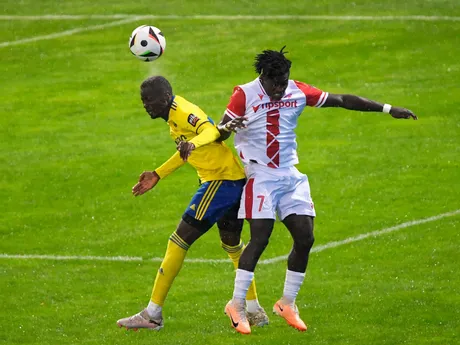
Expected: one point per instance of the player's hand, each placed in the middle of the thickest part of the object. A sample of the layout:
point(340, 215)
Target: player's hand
point(402, 113)
point(185, 148)
point(147, 181)
point(234, 124)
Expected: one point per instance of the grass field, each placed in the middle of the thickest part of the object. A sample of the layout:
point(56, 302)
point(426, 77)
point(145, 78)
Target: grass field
point(74, 138)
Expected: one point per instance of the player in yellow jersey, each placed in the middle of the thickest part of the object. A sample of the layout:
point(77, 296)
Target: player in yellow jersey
point(216, 201)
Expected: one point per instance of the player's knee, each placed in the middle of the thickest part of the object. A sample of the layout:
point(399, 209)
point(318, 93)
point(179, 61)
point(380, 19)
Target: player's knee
point(260, 242)
point(230, 238)
point(188, 233)
point(305, 242)
point(230, 231)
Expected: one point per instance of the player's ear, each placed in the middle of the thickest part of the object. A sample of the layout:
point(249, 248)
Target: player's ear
point(262, 77)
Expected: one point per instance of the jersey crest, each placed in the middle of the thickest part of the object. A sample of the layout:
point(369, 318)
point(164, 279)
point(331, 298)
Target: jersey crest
point(192, 119)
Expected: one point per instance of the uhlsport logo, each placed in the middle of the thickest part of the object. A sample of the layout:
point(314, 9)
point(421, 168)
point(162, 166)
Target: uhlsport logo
point(276, 105)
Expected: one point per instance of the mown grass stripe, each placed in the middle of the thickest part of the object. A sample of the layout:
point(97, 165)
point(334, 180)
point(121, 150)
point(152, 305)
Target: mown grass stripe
point(233, 17)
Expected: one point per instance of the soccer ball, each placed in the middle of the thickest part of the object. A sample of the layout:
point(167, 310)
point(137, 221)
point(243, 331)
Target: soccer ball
point(147, 43)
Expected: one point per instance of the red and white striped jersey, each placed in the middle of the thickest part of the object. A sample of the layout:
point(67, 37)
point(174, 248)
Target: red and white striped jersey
point(269, 138)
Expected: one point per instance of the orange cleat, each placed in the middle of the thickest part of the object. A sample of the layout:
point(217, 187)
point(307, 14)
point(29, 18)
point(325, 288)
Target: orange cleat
point(237, 315)
point(290, 313)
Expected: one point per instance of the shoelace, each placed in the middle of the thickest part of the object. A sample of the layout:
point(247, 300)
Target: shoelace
point(294, 308)
point(134, 316)
point(241, 311)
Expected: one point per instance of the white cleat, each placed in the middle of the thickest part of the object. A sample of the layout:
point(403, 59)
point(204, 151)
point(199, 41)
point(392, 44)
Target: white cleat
point(259, 318)
point(141, 320)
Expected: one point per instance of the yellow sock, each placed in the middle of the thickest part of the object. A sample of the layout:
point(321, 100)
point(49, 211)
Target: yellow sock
point(169, 269)
point(234, 253)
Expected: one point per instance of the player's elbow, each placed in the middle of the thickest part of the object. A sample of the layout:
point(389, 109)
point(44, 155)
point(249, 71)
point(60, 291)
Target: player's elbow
point(349, 101)
point(345, 101)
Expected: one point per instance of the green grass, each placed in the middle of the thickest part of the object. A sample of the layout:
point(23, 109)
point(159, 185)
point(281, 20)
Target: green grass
point(74, 138)
point(237, 7)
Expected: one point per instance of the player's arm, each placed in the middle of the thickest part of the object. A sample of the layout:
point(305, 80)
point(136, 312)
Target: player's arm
point(233, 118)
point(352, 102)
point(149, 179)
point(207, 133)
point(317, 98)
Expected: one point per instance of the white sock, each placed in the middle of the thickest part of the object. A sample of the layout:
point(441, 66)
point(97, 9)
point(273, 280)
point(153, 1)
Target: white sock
point(153, 309)
point(252, 305)
point(242, 281)
point(292, 285)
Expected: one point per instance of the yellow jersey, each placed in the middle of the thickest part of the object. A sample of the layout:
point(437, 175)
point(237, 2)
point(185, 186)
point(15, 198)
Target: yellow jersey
point(214, 161)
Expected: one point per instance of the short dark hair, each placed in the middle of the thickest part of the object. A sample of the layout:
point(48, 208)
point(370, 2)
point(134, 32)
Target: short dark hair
point(272, 63)
point(156, 87)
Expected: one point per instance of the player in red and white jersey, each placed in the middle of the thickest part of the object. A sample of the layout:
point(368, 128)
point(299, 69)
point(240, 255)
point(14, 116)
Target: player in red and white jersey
point(264, 115)
point(269, 138)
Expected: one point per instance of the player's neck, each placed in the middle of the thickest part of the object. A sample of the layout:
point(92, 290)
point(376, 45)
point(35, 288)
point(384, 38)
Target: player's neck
point(165, 115)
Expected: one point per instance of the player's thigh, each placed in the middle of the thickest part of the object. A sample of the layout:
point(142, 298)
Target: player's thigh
point(297, 200)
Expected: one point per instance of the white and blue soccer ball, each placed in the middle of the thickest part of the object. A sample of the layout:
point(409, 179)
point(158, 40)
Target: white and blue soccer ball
point(147, 43)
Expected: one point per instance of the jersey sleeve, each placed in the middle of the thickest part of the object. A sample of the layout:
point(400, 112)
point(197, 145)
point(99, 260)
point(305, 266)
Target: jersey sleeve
point(193, 121)
point(208, 134)
point(171, 165)
point(237, 105)
point(315, 97)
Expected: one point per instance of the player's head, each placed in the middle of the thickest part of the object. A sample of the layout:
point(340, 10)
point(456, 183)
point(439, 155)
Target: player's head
point(156, 94)
point(273, 69)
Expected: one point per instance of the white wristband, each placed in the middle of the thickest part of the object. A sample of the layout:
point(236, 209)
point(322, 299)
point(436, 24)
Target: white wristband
point(386, 108)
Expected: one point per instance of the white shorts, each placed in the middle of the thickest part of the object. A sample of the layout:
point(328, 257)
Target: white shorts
point(269, 192)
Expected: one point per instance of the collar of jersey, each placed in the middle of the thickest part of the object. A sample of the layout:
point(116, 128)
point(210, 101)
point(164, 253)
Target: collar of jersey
point(261, 87)
point(169, 106)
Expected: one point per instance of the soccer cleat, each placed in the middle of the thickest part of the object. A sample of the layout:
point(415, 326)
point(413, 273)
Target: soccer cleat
point(291, 314)
point(259, 318)
point(237, 315)
point(141, 320)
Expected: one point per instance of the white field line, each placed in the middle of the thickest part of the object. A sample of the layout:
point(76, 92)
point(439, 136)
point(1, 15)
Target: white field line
point(315, 249)
point(361, 237)
point(68, 32)
point(233, 17)
point(69, 257)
